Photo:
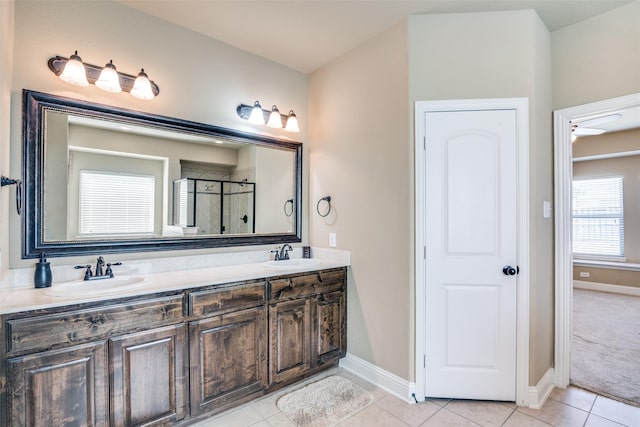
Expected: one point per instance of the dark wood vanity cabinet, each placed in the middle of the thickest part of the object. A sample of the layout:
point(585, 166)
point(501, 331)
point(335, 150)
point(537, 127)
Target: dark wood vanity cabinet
point(148, 377)
point(307, 324)
point(227, 346)
point(290, 333)
point(90, 365)
point(165, 358)
point(66, 387)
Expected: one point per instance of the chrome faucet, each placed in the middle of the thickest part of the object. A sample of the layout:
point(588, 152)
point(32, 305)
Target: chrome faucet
point(88, 274)
point(282, 253)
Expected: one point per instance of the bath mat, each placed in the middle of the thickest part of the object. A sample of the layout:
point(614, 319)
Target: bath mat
point(324, 403)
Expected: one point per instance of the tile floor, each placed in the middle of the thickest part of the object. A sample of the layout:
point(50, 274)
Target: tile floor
point(564, 408)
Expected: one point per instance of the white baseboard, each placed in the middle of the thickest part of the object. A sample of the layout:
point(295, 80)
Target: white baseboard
point(539, 393)
point(605, 287)
point(387, 381)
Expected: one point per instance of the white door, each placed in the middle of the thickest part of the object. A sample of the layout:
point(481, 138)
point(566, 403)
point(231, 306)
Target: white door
point(470, 235)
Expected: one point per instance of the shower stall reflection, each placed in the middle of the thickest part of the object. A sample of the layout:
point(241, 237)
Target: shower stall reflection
point(207, 206)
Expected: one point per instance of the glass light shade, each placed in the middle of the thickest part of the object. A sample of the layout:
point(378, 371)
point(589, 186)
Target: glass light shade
point(109, 79)
point(292, 123)
point(256, 117)
point(275, 121)
point(74, 71)
point(142, 87)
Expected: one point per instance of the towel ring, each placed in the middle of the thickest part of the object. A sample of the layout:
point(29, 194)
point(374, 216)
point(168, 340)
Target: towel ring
point(326, 199)
point(8, 181)
point(290, 212)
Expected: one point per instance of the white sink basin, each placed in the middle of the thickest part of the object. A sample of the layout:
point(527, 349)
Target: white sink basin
point(88, 288)
point(292, 263)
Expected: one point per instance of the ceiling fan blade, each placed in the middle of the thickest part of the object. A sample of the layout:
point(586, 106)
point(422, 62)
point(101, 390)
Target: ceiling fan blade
point(578, 131)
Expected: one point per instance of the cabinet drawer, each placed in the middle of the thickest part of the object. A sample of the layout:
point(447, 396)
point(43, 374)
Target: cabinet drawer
point(218, 301)
point(306, 285)
point(77, 326)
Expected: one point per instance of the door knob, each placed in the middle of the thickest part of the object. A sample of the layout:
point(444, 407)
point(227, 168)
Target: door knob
point(510, 271)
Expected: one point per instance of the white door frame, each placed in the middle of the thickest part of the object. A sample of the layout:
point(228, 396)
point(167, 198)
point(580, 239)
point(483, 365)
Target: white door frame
point(563, 177)
point(521, 106)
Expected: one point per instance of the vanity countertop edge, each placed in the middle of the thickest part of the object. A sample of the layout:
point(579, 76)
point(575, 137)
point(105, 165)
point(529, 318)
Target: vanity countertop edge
point(26, 299)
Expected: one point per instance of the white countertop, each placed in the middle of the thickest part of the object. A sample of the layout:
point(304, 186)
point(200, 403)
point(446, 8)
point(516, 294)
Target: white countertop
point(18, 299)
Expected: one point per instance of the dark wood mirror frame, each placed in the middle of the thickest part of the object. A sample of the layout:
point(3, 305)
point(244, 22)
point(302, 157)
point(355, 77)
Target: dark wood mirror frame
point(35, 104)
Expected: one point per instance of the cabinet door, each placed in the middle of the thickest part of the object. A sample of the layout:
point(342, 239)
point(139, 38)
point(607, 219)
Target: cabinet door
point(329, 328)
point(67, 387)
point(148, 377)
point(227, 358)
point(289, 336)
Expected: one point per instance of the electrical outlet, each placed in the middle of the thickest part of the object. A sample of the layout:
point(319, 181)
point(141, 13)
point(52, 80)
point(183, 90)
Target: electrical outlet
point(584, 274)
point(332, 240)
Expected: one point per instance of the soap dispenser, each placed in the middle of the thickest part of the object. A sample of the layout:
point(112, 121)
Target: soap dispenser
point(42, 277)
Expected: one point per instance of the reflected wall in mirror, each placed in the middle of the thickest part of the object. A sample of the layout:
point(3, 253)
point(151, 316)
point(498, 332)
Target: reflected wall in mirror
point(101, 179)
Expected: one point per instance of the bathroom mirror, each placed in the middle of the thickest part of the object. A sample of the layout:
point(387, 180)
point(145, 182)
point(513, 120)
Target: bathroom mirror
point(101, 179)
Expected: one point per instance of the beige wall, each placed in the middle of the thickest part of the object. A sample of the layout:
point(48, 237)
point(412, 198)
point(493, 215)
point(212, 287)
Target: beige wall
point(615, 142)
point(6, 54)
point(608, 276)
point(629, 168)
point(594, 60)
point(274, 175)
point(360, 140)
point(360, 150)
point(499, 55)
point(200, 79)
point(598, 58)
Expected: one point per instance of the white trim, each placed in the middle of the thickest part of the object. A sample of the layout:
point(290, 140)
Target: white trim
point(539, 393)
point(630, 266)
point(377, 376)
point(577, 257)
point(563, 176)
point(606, 287)
point(521, 106)
point(607, 156)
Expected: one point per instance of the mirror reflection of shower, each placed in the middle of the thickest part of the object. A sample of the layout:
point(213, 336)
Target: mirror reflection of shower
point(208, 206)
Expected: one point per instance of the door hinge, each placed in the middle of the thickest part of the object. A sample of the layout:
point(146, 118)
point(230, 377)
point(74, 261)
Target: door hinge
point(425, 251)
point(424, 140)
point(424, 361)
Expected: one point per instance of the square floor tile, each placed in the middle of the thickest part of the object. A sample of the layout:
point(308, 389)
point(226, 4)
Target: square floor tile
point(574, 396)
point(481, 412)
point(412, 414)
point(445, 418)
point(616, 411)
point(558, 414)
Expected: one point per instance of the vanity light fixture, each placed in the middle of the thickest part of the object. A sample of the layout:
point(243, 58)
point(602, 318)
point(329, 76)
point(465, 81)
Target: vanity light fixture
point(275, 121)
point(74, 71)
point(292, 122)
point(256, 115)
point(109, 79)
point(142, 86)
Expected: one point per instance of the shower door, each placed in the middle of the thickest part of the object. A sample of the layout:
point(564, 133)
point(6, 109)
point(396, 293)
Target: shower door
point(238, 207)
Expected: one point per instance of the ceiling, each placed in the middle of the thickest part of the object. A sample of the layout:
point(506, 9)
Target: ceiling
point(307, 34)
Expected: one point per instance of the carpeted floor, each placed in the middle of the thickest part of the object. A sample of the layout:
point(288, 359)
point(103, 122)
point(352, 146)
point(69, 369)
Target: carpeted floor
point(324, 403)
point(605, 353)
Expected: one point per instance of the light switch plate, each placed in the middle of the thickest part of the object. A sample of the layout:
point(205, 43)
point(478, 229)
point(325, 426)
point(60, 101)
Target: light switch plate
point(332, 240)
point(546, 209)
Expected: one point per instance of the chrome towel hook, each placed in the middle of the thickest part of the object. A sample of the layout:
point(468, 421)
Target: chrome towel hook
point(328, 200)
point(8, 181)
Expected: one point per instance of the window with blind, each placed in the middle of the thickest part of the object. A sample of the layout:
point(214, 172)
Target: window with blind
point(598, 216)
point(116, 203)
